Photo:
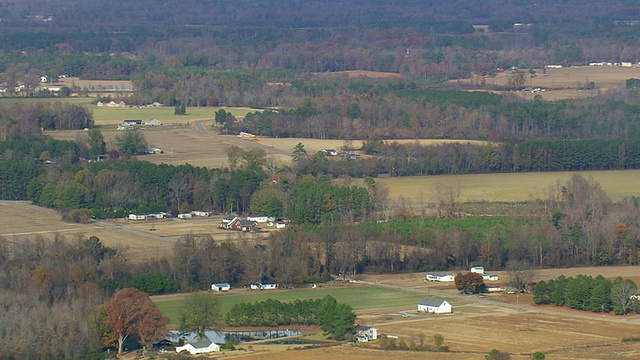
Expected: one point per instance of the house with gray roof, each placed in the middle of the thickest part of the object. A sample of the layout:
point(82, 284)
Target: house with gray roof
point(434, 306)
point(199, 346)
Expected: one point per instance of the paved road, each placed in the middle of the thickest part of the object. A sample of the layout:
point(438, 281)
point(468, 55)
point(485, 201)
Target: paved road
point(203, 126)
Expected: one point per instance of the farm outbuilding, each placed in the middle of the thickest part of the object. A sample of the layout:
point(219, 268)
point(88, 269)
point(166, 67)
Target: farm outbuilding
point(477, 270)
point(264, 285)
point(440, 277)
point(434, 306)
point(220, 287)
point(153, 122)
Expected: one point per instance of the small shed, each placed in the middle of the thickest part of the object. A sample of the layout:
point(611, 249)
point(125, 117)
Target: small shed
point(153, 122)
point(477, 270)
point(220, 287)
point(184, 216)
point(434, 306)
point(137, 217)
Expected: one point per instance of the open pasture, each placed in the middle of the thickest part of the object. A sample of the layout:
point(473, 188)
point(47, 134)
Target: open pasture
point(362, 298)
point(107, 116)
point(568, 83)
point(137, 239)
point(417, 190)
point(22, 221)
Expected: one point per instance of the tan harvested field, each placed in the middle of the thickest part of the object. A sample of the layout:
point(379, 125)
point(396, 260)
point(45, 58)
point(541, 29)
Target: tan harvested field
point(364, 73)
point(480, 324)
point(418, 190)
point(314, 145)
point(139, 240)
point(567, 83)
point(75, 81)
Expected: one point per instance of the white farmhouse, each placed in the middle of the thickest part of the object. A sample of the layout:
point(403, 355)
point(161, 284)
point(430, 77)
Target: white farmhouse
point(434, 306)
point(477, 270)
point(199, 347)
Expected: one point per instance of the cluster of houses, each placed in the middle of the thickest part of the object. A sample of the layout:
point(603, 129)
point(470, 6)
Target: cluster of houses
point(451, 277)
point(133, 123)
point(122, 104)
point(344, 154)
point(251, 224)
point(164, 215)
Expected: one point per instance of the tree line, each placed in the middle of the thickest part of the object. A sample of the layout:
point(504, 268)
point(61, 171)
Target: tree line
point(336, 319)
point(589, 294)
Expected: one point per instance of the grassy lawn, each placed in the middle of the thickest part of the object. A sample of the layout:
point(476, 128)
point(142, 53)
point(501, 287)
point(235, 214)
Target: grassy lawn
point(114, 116)
point(359, 297)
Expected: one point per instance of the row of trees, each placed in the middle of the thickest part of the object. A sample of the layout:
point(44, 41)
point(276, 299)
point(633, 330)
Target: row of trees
point(390, 109)
point(395, 159)
point(589, 294)
point(336, 319)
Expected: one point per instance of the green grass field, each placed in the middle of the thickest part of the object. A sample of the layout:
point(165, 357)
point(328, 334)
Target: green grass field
point(106, 116)
point(359, 297)
point(618, 184)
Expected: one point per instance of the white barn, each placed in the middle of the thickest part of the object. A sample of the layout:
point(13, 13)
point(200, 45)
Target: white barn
point(477, 270)
point(220, 287)
point(434, 306)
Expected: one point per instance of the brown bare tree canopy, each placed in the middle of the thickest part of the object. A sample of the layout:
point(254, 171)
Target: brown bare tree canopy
point(131, 312)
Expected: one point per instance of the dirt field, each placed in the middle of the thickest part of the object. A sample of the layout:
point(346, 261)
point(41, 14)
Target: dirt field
point(137, 240)
point(567, 83)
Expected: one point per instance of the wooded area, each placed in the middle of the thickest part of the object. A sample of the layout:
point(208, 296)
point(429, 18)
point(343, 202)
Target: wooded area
point(288, 60)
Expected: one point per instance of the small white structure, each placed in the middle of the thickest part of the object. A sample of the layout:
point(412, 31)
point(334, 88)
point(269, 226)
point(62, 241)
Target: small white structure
point(440, 277)
point(153, 122)
point(246, 134)
point(184, 216)
point(260, 219)
point(199, 347)
point(493, 290)
point(281, 225)
point(200, 213)
point(477, 270)
point(434, 306)
point(264, 285)
point(491, 277)
point(137, 217)
point(159, 215)
point(154, 150)
point(220, 287)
